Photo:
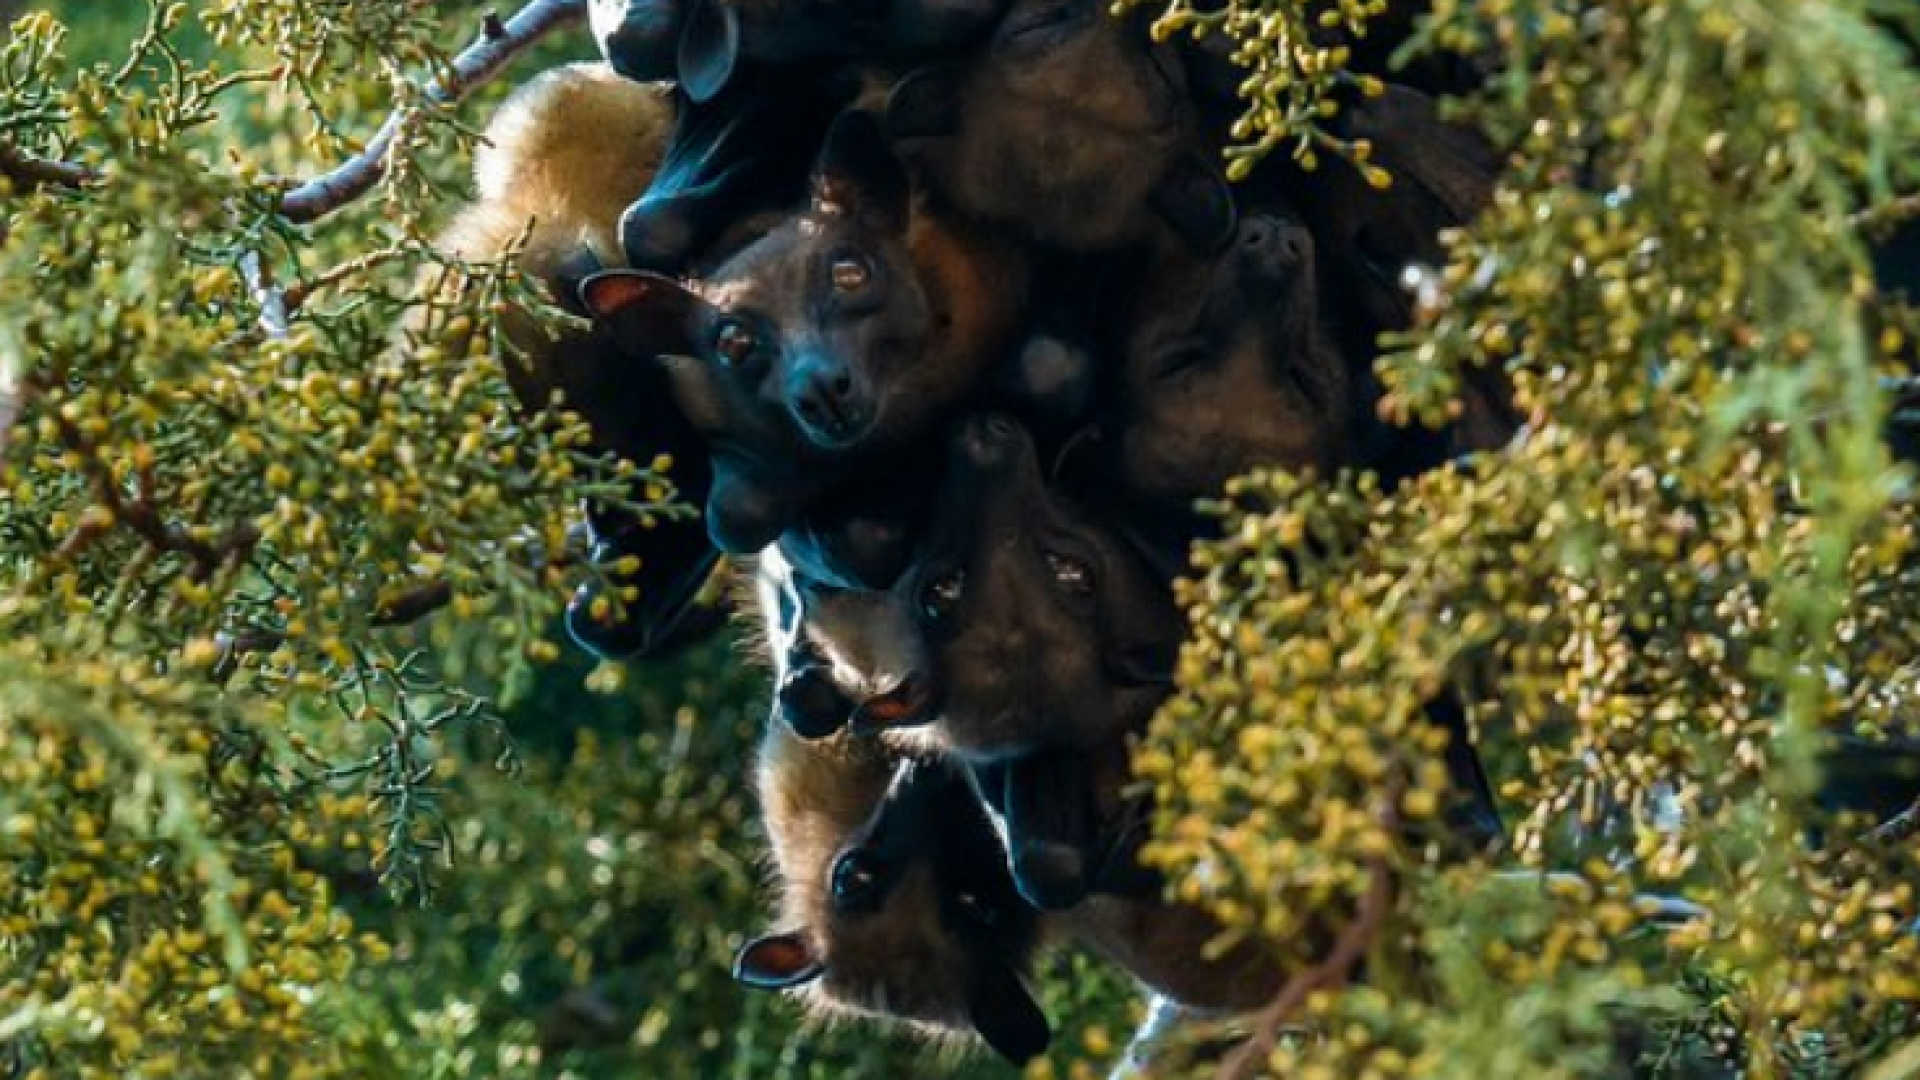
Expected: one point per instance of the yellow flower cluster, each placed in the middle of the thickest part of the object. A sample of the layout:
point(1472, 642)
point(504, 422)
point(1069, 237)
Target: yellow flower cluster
point(1680, 607)
point(209, 511)
point(140, 928)
point(1679, 610)
point(1292, 65)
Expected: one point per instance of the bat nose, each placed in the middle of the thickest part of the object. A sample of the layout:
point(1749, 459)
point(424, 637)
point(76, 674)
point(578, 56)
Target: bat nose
point(828, 403)
point(811, 705)
point(1275, 244)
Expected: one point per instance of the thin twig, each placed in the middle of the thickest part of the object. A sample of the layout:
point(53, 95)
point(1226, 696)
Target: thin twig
point(1348, 949)
point(278, 305)
point(1887, 213)
point(400, 609)
point(295, 296)
point(1661, 909)
point(32, 172)
point(1164, 1018)
point(413, 604)
point(499, 43)
point(1897, 829)
point(1338, 967)
point(142, 515)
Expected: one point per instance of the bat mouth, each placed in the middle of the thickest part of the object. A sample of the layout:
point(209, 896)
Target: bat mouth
point(836, 426)
point(911, 703)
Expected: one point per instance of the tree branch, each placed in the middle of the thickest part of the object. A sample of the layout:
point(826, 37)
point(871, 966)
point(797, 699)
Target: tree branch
point(403, 608)
point(1164, 1018)
point(32, 173)
point(413, 604)
point(499, 43)
point(1897, 829)
point(143, 515)
point(1348, 949)
point(1888, 213)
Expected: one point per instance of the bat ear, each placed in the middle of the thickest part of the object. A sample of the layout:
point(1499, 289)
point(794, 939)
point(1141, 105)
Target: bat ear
point(709, 49)
point(777, 962)
point(925, 104)
point(648, 311)
point(1195, 199)
point(1007, 1017)
point(615, 294)
point(573, 269)
point(856, 172)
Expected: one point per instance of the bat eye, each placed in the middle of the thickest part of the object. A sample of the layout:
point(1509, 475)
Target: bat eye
point(858, 877)
point(1071, 574)
point(975, 911)
point(735, 344)
point(1180, 361)
point(938, 599)
point(851, 273)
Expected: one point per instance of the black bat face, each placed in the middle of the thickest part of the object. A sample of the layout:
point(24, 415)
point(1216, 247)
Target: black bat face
point(1069, 124)
point(763, 473)
point(923, 921)
point(841, 655)
point(1228, 367)
point(805, 350)
point(1070, 828)
point(1041, 627)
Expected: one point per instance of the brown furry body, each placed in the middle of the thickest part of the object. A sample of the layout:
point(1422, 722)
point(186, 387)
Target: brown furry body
point(1226, 365)
point(1063, 125)
point(539, 180)
point(820, 796)
point(536, 167)
point(893, 891)
point(893, 883)
point(536, 177)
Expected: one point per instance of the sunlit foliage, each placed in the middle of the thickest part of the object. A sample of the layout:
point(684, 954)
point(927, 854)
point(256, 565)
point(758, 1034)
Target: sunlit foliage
point(288, 781)
point(277, 545)
point(1679, 605)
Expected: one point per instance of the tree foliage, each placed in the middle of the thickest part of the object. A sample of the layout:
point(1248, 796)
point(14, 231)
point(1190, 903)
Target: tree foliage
point(282, 557)
point(289, 784)
point(1674, 605)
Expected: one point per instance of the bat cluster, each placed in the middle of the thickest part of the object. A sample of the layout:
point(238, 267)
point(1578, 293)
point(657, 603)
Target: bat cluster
point(947, 316)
